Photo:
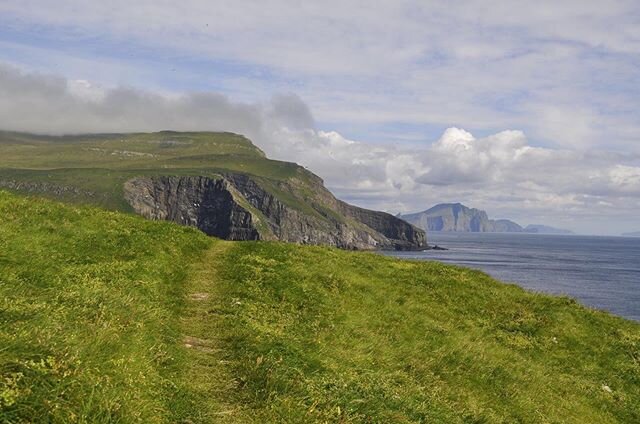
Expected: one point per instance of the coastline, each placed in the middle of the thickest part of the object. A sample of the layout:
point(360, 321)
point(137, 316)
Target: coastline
point(598, 271)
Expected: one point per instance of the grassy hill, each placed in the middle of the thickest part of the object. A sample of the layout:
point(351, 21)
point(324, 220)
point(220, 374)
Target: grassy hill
point(107, 317)
point(93, 168)
point(197, 179)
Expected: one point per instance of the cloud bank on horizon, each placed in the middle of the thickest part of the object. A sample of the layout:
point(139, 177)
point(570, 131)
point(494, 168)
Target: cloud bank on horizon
point(387, 92)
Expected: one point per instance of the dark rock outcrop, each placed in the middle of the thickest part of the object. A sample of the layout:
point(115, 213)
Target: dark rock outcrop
point(236, 207)
point(403, 235)
point(201, 202)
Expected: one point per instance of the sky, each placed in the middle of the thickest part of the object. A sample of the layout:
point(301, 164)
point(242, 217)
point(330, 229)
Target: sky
point(528, 110)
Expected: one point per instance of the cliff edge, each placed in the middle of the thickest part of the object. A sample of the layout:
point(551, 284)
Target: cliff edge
point(217, 182)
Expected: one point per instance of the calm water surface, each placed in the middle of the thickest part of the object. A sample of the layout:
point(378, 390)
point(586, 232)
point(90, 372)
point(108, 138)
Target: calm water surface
point(602, 272)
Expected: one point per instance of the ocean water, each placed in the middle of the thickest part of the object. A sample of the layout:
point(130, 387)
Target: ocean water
point(601, 272)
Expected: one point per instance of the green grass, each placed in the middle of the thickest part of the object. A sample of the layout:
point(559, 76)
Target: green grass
point(314, 334)
point(89, 303)
point(139, 150)
point(97, 310)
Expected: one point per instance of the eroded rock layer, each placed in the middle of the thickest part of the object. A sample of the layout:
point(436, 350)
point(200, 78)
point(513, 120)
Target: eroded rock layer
point(235, 207)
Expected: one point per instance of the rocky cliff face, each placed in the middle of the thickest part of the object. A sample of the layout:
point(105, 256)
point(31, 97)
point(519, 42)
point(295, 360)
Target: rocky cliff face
point(201, 202)
point(459, 218)
point(236, 207)
point(403, 235)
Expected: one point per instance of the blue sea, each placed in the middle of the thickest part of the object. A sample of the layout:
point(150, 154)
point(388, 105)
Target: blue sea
point(601, 272)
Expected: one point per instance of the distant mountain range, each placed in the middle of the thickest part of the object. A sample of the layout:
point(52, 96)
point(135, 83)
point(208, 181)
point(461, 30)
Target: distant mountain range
point(456, 217)
point(632, 234)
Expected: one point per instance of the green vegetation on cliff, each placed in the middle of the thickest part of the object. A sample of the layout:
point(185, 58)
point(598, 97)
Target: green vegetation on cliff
point(92, 168)
point(218, 182)
point(106, 317)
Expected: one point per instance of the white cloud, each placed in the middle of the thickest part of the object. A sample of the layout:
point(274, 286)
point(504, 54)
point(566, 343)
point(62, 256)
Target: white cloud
point(625, 178)
point(84, 90)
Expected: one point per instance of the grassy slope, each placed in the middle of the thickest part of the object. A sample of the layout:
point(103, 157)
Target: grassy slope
point(89, 304)
point(135, 150)
point(316, 334)
point(98, 165)
point(97, 308)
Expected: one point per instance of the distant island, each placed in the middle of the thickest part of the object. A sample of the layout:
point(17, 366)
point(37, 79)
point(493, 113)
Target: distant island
point(632, 234)
point(456, 217)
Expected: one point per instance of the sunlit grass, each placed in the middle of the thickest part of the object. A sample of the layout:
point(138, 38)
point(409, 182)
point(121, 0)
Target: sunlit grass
point(105, 317)
point(321, 335)
point(88, 312)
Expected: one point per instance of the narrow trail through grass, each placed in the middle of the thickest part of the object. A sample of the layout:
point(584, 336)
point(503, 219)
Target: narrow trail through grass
point(206, 379)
